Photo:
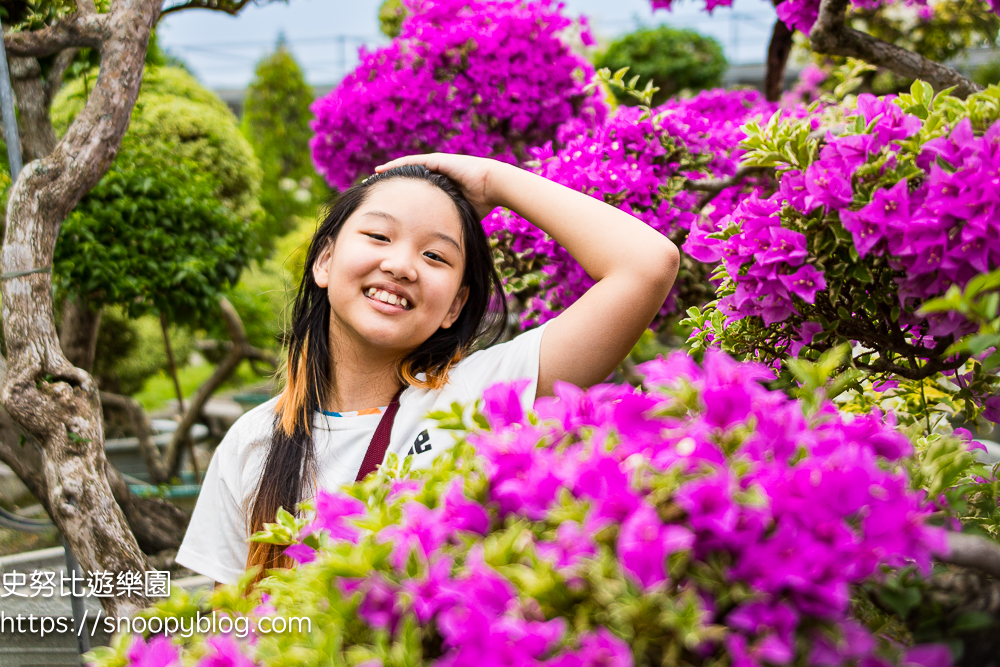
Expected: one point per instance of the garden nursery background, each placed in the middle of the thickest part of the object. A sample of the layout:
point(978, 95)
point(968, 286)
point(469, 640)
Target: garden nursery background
point(796, 465)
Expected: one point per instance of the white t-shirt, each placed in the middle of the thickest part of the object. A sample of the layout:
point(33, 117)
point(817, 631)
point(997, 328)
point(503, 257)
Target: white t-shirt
point(215, 544)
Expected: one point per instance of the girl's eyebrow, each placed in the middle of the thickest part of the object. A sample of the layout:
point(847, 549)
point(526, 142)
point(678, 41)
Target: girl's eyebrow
point(392, 218)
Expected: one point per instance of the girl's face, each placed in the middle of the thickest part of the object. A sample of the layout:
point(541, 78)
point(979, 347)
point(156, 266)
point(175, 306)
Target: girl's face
point(394, 274)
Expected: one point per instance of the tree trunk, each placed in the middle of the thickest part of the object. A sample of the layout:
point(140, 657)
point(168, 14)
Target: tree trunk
point(778, 50)
point(156, 523)
point(78, 336)
point(172, 363)
point(55, 403)
point(38, 137)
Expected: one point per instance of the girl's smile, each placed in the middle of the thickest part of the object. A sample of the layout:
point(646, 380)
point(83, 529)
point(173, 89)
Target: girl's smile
point(388, 298)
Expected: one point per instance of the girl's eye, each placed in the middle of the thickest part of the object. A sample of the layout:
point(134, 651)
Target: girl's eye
point(377, 237)
point(436, 257)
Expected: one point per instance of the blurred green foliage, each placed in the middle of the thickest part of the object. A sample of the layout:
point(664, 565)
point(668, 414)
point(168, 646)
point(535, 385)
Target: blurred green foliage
point(954, 26)
point(988, 74)
point(130, 351)
point(276, 124)
point(152, 238)
point(390, 17)
point(673, 59)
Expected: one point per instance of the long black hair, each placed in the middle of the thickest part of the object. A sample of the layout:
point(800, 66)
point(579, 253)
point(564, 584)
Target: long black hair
point(308, 370)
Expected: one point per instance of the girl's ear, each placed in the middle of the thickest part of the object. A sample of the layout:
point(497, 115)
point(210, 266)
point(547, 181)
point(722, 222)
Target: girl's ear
point(321, 267)
point(456, 307)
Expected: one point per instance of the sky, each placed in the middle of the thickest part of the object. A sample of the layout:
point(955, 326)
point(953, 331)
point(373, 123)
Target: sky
point(324, 35)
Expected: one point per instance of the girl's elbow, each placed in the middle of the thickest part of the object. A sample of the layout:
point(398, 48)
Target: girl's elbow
point(663, 268)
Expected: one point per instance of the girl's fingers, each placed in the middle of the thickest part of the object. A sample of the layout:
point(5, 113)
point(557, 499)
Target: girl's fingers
point(402, 161)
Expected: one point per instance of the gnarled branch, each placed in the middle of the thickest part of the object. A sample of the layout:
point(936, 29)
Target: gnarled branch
point(973, 551)
point(231, 7)
point(76, 30)
point(143, 431)
point(240, 350)
point(55, 403)
point(830, 35)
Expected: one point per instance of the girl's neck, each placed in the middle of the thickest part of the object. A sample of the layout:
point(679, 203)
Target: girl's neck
point(362, 377)
point(359, 389)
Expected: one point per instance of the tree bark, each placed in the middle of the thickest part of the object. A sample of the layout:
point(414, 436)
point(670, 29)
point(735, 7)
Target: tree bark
point(38, 138)
point(55, 403)
point(778, 50)
point(156, 523)
point(82, 29)
point(78, 336)
point(830, 35)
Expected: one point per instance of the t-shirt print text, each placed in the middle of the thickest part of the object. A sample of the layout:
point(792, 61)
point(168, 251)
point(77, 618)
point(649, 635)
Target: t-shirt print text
point(421, 444)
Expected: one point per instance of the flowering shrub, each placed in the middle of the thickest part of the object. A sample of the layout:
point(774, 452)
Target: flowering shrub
point(706, 518)
point(866, 226)
point(640, 161)
point(482, 77)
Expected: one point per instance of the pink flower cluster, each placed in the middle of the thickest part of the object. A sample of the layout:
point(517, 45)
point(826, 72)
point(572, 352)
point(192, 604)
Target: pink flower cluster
point(775, 261)
point(800, 507)
point(934, 229)
point(482, 77)
point(942, 230)
point(628, 161)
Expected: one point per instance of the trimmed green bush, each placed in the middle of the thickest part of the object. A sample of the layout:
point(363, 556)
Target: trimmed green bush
point(674, 59)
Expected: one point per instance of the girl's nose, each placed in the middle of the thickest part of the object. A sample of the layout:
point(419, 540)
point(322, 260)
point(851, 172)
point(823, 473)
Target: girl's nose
point(399, 263)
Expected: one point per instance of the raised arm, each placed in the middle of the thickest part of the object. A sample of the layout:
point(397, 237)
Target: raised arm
point(633, 264)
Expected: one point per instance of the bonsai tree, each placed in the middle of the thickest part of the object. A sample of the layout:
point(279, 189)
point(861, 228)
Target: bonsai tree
point(49, 402)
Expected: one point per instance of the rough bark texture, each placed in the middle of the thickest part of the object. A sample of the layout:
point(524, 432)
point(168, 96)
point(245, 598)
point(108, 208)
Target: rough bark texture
point(778, 50)
point(156, 524)
point(38, 137)
point(78, 336)
point(54, 402)
point(831, 35)
point(78, 30)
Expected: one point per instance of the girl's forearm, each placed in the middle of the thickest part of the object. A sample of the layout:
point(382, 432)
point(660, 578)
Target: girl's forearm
point(602, 238)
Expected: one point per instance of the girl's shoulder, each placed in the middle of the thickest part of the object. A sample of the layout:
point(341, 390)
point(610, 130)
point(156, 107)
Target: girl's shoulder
point(514, 359)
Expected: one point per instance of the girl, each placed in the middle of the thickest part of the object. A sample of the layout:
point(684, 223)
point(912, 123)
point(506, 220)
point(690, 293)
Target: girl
point(398, 288)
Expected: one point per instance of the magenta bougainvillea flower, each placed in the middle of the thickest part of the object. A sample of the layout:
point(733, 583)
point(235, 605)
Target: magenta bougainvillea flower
point(929, 217)
point(157, 652)
point(815, 504)
point(628, 161)
point(487, 77)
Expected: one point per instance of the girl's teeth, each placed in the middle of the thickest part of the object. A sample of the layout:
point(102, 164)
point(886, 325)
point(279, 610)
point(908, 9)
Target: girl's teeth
point(386, 297)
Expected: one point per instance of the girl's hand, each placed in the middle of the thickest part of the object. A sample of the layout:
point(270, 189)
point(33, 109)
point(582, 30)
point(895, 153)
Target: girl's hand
point(474, 175)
